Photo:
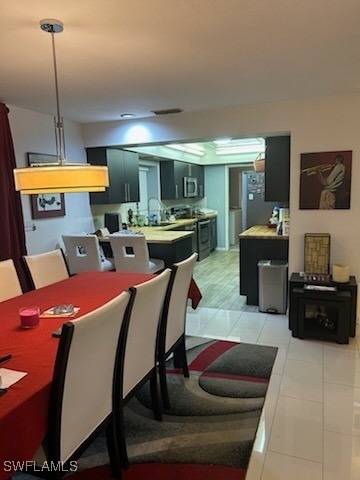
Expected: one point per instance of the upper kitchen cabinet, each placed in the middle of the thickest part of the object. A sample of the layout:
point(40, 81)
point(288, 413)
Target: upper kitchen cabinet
point(123, 169)
point(172, 173)
point(197, 171)
point(277, 169)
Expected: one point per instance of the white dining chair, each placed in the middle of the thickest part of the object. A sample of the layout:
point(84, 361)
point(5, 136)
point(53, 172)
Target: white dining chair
point(172, 326)
point(137, 360)
point(131, 254)
point(9, 281)
point(82, 389)
point(83, 253)
point(46, 268)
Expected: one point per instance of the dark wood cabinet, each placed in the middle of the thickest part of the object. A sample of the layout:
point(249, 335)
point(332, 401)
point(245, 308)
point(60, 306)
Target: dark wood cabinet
point(197, 171)
point(123, 169)
point(277, 169)
point(251, 251)
point(172, 173)
point(296, 289)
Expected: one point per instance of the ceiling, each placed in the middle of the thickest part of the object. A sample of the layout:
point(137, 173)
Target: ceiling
point(136, 56)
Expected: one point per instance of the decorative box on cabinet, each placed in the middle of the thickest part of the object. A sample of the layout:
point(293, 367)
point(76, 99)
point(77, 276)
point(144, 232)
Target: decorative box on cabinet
point(123, 169)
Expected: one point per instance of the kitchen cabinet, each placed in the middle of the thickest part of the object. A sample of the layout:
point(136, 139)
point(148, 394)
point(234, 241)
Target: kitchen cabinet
point(172, 173)
point(197, 171)
point(253, 249)
point(277, 169)
point(123, 169)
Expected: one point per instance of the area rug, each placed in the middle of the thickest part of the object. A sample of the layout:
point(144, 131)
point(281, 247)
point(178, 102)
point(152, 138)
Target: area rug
point(210, 429)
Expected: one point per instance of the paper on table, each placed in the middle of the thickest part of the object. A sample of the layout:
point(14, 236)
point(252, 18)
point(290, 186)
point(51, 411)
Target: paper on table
point(9, 377)
point(50, 313)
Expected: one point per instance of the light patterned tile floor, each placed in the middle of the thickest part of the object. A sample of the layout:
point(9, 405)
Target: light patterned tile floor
point(310, 426)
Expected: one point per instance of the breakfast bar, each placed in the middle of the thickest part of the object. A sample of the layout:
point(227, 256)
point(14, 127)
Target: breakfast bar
point(171, 246)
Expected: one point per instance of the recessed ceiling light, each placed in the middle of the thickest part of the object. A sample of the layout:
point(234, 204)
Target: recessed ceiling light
point(128, 115)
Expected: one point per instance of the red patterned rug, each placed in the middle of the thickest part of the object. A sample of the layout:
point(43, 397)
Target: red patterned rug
point(210, 429)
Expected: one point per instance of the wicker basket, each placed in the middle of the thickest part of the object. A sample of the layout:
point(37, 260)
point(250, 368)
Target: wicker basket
point(259, 165)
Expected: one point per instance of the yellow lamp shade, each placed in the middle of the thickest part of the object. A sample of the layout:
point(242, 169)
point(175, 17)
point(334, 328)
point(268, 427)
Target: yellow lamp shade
point(67, 178)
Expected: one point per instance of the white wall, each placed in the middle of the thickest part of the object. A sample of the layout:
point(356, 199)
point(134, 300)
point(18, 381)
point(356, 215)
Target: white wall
point(34, 132)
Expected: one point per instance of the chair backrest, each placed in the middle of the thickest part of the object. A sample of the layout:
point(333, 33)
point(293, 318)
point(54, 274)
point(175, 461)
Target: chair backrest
point(82, 388)
point(82, 253)
point(46, 268)
point(174, 313)
point(141, 339)
point(131, 253)
point(9, 282)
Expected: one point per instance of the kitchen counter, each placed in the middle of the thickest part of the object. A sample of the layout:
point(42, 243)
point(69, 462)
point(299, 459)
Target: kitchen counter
point(166, 226)
point(262, 232)
point(158, 235)
point(170, 246)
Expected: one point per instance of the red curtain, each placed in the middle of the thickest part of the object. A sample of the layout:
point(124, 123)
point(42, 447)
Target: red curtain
point(12, 240)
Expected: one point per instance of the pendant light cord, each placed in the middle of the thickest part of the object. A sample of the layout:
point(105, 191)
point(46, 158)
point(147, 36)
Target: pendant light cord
point(58, 120)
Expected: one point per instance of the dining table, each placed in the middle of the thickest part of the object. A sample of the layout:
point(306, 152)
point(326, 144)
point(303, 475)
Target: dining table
point(24, 406)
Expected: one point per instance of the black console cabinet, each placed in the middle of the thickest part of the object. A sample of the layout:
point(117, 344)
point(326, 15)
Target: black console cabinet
point(344, 298)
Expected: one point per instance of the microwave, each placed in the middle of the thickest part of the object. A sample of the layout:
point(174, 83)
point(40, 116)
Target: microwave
point(190, 187)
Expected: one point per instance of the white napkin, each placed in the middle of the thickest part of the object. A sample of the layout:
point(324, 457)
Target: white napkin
point(9, 377)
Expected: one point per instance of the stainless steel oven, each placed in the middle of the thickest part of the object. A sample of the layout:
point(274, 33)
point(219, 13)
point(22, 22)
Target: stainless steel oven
point(204, 238)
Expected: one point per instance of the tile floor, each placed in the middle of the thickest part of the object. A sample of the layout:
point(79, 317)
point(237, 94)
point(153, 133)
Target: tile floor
point(310, 426)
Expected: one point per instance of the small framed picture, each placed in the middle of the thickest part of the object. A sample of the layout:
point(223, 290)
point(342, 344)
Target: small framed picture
point(46, 205)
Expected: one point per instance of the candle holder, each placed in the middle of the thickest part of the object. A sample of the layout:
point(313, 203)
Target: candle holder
point(29, 317)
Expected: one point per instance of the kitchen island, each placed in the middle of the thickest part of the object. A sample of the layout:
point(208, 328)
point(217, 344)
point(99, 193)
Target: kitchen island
point(258, 243)
point(170, 246)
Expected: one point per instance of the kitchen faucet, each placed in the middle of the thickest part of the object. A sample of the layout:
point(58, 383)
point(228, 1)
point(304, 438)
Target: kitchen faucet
point(162, 215)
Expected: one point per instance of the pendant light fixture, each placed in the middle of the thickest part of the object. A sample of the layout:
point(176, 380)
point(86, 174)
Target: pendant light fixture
point(60, 177)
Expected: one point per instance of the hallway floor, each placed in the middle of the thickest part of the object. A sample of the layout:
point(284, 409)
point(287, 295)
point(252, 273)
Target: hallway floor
point(310, 426)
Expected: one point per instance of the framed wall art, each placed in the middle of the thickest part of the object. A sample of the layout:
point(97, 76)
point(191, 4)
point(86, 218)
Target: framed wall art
point(325, 180)
point(46, 205)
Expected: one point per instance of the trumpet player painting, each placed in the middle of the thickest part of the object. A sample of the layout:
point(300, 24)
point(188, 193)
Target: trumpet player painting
point(325, 180)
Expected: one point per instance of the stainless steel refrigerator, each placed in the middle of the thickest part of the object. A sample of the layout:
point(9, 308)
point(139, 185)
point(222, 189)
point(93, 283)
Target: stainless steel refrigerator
point(255, 211)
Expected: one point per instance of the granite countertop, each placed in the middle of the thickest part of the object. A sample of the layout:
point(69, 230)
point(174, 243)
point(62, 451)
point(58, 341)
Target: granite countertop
point(262, 232)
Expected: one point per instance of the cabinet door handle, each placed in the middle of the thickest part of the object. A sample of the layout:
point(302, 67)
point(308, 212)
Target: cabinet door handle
point(125, 192)
point(129, 196)
point(176, 192)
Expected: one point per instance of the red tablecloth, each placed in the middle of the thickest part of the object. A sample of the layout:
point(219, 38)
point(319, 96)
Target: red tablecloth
point(23, 409)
